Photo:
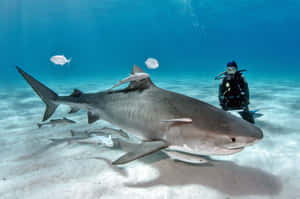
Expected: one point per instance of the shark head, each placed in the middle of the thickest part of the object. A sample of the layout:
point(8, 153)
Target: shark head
point(224, 135)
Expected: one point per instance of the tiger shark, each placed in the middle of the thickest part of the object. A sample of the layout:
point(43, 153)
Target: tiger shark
point(181, 126)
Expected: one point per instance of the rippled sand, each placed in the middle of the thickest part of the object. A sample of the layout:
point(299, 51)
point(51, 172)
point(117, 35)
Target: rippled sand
point(33, 167)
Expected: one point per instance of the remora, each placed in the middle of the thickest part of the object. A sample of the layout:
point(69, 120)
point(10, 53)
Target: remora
point(162, 119)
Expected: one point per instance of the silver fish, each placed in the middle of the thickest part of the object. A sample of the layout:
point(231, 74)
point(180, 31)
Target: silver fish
point(55, 122)
point(60, 60)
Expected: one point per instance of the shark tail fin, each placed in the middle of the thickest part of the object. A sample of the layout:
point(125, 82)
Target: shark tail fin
point(46, 94)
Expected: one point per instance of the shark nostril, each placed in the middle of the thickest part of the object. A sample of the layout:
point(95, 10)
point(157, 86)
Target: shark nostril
point(233, 139)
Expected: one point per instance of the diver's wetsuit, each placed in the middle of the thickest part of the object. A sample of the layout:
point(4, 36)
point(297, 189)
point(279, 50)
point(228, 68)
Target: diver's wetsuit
point(234, 94)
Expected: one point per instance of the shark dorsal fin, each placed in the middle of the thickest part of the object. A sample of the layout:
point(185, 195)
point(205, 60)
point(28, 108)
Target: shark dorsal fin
point(142, 84)
point(136, 69)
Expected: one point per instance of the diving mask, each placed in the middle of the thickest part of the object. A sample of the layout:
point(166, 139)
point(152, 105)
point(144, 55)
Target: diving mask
point(231, 70)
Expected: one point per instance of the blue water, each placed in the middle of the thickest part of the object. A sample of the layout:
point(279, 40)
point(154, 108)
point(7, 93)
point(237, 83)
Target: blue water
point(106, 38)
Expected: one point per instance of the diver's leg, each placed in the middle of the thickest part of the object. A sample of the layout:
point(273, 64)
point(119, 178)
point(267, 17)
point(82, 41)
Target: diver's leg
point(247, 115)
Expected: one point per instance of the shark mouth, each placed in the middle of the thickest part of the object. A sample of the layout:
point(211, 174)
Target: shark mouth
point(231, 150)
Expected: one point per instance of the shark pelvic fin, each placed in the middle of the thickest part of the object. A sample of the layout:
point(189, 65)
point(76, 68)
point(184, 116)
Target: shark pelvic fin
point(141, 150)
point(92, 117)
point(46, 94)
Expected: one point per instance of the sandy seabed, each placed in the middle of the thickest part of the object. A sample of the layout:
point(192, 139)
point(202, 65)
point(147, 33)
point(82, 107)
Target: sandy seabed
point(31, 166)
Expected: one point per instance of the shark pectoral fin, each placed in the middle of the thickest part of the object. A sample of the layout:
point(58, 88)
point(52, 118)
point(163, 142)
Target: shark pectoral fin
point(185, 157)
point(74, 110)
point(183, 120)
point(141, 150)
point(92, 117)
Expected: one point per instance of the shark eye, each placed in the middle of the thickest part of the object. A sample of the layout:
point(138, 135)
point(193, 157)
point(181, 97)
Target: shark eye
point(233, 139)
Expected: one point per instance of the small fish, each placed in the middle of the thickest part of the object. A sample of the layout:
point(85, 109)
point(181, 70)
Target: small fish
point(107, 130)
point(151, 63)
point(87, 133)
point(78, 133)
point(54, 122)
point(87, 139)
point(68, 139)
point(103, 131)
point(98, 139)
point(60, 60)
point(132, 77)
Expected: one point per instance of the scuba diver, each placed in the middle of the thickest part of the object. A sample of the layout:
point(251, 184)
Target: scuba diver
point(234, 91)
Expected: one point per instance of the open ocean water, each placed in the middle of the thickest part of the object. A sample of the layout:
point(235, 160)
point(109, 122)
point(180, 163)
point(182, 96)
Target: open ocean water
point(192, 40)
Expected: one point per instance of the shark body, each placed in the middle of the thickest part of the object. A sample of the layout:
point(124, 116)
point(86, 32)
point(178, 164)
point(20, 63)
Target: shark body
point(160, 118)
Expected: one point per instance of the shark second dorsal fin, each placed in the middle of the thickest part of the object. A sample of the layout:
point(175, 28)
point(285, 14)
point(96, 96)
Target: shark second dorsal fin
point(76, 93)
point(142, 84)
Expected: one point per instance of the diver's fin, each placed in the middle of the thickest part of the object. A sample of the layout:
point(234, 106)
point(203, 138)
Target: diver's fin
point(74, 110)
point(185, 157)
point(183, 120)
point(141, 150)
point(92, 117)
point(256, 114)
point(254, 111)
point(46, 94)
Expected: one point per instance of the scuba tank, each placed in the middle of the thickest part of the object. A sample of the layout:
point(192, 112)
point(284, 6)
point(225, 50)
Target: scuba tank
point(222, 76)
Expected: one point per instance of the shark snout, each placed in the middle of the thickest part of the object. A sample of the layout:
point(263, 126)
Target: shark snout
point(257, 133)
point(253, 136)
point(246, 137)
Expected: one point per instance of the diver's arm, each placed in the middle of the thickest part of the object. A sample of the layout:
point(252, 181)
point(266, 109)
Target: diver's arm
point(245, 90)
point(221, 94)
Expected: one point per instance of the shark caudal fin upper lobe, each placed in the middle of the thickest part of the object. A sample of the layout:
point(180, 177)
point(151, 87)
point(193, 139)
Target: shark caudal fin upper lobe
point(46, 94)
